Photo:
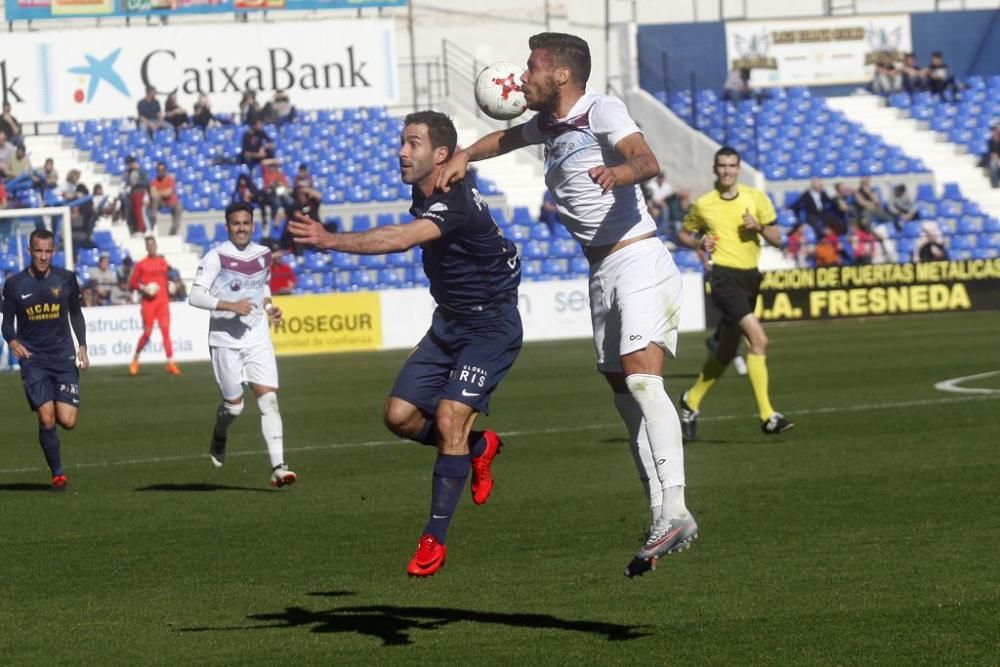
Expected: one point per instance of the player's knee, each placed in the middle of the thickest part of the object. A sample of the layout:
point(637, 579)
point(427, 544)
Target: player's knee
point(268, 403)
point(644, 387)
point(47, 422)
point(232, 409)
point(758, 344)
point(397, 417)
point(68, 422)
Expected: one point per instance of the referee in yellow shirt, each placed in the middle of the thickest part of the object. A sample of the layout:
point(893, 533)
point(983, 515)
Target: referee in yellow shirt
point(726, 223)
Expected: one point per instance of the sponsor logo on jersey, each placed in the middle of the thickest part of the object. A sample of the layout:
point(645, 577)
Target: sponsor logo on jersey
point(56, 291)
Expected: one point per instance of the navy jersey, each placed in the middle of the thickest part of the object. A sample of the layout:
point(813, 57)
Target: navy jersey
point(473, 270)
point(38, 312)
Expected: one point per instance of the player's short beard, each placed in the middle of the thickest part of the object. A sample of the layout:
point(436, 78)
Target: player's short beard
point(546, 97)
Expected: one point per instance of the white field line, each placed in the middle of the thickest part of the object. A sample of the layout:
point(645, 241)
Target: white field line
point(952, 384)
point(560, 429)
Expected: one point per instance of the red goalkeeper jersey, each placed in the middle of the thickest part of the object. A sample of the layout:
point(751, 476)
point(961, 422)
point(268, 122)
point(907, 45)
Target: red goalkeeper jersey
point(151, 270)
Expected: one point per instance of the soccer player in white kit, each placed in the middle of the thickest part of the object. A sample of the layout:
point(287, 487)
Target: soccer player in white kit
point(595, 159)
point(233, 282)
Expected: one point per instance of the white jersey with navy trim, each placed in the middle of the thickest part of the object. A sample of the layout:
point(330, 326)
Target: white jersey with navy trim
point(231, 274)
point(585, 139)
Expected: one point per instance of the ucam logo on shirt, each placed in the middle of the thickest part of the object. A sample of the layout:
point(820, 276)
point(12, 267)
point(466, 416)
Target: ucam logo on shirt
point(85, 74)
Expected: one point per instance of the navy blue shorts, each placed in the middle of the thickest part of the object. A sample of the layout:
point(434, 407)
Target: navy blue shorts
point(43, 383)
point(460, 360)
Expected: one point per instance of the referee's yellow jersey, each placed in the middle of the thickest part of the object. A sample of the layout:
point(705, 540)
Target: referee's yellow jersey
point(735, 246)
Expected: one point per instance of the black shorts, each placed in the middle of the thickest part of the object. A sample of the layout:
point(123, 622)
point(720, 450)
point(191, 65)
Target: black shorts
point(734, 292)
point(460, 360)
point(43, 383)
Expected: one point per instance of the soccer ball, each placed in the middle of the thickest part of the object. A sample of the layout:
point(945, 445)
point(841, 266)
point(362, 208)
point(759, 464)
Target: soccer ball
point(151, 289)
point(498, 91)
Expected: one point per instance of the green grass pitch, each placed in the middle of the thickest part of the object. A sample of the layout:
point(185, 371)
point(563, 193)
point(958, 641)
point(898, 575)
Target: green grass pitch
point(867, 535)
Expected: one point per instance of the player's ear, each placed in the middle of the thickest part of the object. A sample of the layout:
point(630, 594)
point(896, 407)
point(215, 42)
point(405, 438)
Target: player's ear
point(440, 155)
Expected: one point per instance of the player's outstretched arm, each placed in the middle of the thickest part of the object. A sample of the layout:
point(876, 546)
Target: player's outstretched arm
point(378, 241)
point(493, 144)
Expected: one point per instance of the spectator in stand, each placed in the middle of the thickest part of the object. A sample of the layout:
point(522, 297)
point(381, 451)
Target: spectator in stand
point(104, 205)
point(3, 195)
point(136, 185)
point(660, 191)
point(68, 192)
point(797, 246)
point(308, 206)
point(257, 145)
point(250, 110)
point(163, 193)
point(843, 200)
point(930, 245)
point(902, 207)
point(548, 215)
point(862, 244)
point(18, 166)
point(939, 79)
point(869, 203)
point(912, 77)
point(175, 286)
point(993, 156)
point(149, 114)
point(828, 250)
point(7, 149)
point(246, 191)
point(103, 279)
point(48, 177)
point(815, 208)
point(175, 114)
point(283, 279)
point(679, 205)
point(278, 192)
point(888, 79)
point(203, 116)
point(9, 125)
point(82, 217)
point(304, 181)
point(282, 108)
point(737, 85)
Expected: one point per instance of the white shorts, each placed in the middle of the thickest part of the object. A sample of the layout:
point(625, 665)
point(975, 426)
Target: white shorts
point(635, 300)
point(235, 365)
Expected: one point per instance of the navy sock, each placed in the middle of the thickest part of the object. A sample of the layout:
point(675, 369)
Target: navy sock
point(427, 435)
point(450, 472)
point(49, 440)
point(477, 443)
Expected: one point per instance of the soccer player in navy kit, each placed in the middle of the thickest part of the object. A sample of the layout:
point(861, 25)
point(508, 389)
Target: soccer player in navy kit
point(475, 333)
point(40, 304)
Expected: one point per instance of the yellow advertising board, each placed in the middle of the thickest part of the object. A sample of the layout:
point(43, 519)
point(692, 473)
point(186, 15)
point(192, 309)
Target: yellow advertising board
point(322, 323)
point(879, 289)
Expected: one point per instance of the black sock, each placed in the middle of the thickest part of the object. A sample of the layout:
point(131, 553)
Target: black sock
point(49, 440)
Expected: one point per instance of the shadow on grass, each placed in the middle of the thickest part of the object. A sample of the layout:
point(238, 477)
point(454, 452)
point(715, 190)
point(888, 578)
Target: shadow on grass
point(392, 624)
point(24, 486)
point(199, 487)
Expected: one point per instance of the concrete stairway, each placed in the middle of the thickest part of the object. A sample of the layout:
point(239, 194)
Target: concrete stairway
point(948, 162)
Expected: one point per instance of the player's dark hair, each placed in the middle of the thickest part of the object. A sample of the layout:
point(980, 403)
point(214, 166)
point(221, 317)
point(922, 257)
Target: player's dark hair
point(40, 234)
point(239, 206)
point(440, 129)
point(726, 150)
point(567, 50)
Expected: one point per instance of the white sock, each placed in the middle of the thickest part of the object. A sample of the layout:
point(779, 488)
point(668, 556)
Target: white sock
point(224, 416)
point(663, 429)
point(642, 455)
point(270, 427)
